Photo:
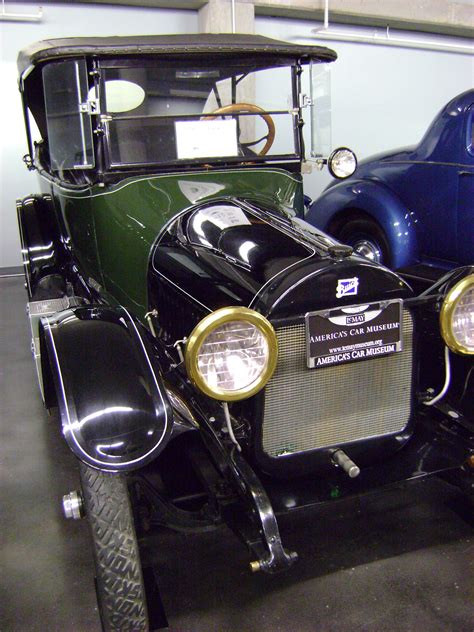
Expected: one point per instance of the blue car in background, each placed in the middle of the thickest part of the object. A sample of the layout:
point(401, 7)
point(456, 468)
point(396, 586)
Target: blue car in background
point(411, 209)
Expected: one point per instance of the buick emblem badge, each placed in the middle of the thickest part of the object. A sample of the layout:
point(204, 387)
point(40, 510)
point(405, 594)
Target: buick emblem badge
point(347, 287)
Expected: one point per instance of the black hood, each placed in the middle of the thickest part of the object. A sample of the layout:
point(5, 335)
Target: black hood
point(231, 252)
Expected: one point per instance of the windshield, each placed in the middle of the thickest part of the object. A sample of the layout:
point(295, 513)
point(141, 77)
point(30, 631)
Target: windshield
point(169, 113)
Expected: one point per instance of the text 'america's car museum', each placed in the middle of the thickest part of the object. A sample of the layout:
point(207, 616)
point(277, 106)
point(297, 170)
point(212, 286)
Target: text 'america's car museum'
point(226, 352)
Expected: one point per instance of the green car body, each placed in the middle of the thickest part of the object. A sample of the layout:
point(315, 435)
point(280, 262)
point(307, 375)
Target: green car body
point(132, 212)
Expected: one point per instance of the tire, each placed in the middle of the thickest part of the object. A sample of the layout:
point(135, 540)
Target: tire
point(367, 238)
point(119, 579)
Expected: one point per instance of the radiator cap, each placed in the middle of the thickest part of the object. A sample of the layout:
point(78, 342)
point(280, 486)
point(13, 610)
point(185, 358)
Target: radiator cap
point(340, 251)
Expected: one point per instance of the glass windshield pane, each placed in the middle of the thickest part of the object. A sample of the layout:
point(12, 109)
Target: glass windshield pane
point(69, 130)
point(320, 99)
point(172, 113)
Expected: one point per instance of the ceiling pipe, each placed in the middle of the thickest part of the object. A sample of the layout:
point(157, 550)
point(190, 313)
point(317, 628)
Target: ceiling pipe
point(386, 40)
point(20, 17)
point(233, 16)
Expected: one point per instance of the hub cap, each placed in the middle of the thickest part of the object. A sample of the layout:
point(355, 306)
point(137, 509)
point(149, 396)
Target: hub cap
point(368, 249)
point(73, 505)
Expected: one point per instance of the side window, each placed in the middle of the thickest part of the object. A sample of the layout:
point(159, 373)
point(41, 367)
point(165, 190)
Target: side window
point(69, 126)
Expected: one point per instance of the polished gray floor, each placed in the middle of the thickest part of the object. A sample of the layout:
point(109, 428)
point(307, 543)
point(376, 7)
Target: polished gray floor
point(399, 561)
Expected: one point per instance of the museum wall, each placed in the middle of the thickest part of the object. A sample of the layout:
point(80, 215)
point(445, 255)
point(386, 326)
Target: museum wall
point(382, 97)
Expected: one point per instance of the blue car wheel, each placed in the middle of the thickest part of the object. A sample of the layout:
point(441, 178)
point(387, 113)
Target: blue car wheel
point(367, 239)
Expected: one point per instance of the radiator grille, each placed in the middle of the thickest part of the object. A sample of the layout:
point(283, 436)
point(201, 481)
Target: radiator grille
point(306, 409)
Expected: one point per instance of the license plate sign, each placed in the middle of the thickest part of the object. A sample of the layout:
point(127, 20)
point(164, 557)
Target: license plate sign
point(350, 334)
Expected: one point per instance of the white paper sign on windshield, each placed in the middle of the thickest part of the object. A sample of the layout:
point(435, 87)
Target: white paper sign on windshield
point(206, 139)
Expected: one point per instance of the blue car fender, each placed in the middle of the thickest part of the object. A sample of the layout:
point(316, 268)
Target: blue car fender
point(99, 368)
point(340, 203)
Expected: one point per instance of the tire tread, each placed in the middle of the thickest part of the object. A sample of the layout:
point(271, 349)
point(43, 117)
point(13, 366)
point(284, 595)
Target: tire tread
point(120, 586)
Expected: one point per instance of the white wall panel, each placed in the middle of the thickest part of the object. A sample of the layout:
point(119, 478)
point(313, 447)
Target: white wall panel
point(59, 20)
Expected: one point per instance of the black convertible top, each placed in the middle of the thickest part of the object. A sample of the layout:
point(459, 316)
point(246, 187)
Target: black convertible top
point(170, 45)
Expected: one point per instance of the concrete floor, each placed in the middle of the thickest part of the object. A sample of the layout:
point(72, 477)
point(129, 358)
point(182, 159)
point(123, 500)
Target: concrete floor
point(398, 561)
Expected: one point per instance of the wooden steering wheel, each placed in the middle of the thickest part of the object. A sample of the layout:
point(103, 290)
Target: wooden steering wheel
point(241, 108)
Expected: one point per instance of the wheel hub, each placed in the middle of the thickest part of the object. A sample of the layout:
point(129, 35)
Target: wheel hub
point(368, 249)
point(73, 505)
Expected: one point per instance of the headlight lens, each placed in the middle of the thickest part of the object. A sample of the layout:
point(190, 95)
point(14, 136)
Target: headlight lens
point(342, 162)
point(457, 316)
point(231, 354)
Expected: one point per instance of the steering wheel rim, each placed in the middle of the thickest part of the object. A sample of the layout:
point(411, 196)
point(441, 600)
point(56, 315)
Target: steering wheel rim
point(248, 107)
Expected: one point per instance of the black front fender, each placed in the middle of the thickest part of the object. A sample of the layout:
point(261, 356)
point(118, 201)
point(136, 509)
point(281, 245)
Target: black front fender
point(113, 405)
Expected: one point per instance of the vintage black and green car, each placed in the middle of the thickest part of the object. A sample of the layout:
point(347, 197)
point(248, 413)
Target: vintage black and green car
point(212, 356)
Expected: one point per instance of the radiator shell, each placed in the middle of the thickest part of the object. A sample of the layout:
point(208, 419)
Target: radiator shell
point(307, 410)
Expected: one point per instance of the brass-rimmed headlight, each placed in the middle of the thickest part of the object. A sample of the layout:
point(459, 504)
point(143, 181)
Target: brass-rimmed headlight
point(457, 316)
point(232, 353)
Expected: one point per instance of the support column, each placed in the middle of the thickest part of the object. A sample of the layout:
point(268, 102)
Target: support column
point(216, 16)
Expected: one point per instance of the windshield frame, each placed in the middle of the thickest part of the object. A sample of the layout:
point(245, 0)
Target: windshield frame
point(103, 125)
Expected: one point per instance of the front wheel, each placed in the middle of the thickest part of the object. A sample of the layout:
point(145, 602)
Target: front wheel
point(120, 586)
point(367, 239)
